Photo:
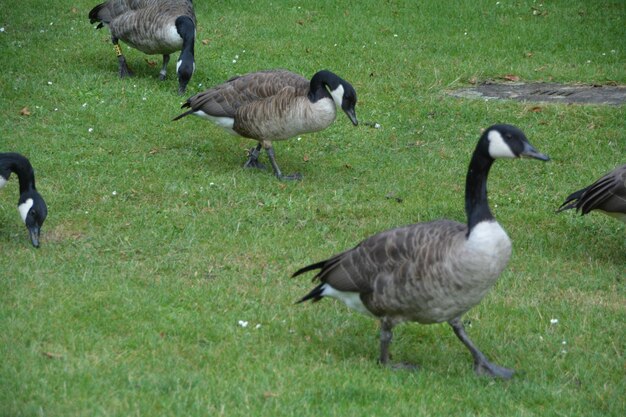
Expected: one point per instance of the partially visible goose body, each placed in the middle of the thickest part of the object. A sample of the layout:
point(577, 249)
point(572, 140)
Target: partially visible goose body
point(153, 27)
point(607, 194)
point(31, 206)
point(274, 105)
point(430, 272)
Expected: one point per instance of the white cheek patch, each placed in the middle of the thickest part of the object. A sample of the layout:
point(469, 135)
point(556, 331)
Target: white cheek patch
point(180, 61)
point(24, 208)
point(3, 181)
point(498, 147)
point(337, 95)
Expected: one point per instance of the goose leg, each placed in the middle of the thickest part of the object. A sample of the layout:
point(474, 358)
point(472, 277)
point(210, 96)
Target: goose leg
point(386, 335)
point(163, 72)
point(124, 70)
point(482, 366)
point(270, 153)
point(253, 158)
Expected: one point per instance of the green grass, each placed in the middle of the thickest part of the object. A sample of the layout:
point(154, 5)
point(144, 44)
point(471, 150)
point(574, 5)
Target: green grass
point(157, 242)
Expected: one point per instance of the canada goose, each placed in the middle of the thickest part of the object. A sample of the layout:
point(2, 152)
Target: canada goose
point(608, 195)
point(153, 27)
point(31, 206)
point(430, 272)
point(274, 105)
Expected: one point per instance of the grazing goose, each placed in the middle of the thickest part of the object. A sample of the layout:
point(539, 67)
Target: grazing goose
point(153, 27)
point(274, 105)
point(31, 206)
point(430, 272)
point(608, 195)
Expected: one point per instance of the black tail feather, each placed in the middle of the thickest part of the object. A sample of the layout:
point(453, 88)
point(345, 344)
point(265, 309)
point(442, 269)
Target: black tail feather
point(180, 116)
point(93, 15)
point(571, 202)
point(315, 294)
point(308, 268)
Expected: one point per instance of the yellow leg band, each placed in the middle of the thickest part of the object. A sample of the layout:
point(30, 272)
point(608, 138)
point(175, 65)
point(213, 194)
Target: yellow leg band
point(118, 50)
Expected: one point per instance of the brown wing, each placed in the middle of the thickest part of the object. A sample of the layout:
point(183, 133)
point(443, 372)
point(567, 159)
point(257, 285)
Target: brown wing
point(399, 257)
point(223, 100)
point(607, 193)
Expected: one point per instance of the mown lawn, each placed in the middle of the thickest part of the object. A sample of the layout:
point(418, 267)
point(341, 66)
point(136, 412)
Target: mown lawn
point(159, 248)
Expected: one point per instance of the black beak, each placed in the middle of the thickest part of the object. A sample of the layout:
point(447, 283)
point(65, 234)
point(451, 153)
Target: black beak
point(34, 235)
point(531, 152)
point(352, 115)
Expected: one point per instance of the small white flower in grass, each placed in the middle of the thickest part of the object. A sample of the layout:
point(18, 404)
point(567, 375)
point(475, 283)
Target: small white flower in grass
point(258, 326)
point(1, 30)
point(56, 109)
point(49, 82)
point(84, 104)
point(114, 193)
point(395, 35)
point(243, 323)
point(90, 129)
point(376, 125)
point(234, 61)
point(554, 321)
point(299, 138)
point(144, 98)
point(564, 342)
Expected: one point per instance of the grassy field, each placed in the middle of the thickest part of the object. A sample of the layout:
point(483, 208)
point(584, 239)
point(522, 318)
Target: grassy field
point(158, 247)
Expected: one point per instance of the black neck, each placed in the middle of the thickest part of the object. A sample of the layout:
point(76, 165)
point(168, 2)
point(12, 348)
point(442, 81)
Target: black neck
point(15, 162)
point(318, 85)
point(187, 30)
point(476, 204)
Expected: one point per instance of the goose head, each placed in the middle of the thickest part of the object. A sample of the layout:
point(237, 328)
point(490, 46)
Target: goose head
point(506, 141)
point(33, 211)
point(185, 67)
point(340, 90)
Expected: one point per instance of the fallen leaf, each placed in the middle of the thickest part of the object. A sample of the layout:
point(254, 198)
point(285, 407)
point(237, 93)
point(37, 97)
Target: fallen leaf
point(269, 394)
point(52, 355)
point(528, 54)
point(348, 166)
point(25, 111)
point(472, 80)
point(205, 41)
point(74, 10)
point(511, 77)
point(151, 63)
point(305, 158)
point(536, 109)
point(153, 151)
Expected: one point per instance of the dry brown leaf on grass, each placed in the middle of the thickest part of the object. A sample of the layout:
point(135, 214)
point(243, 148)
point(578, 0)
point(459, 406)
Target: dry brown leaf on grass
point(305, 158)
point(25, 111)
point(151, 63)
point(52, 355)
point(511, 77)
